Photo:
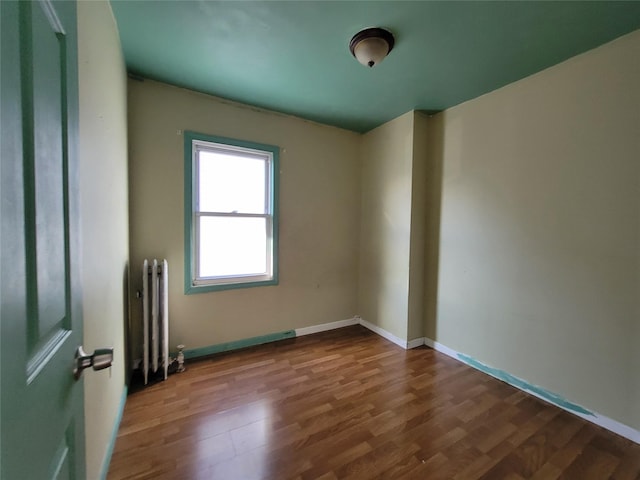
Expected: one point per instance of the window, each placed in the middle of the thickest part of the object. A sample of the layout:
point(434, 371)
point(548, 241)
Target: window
point(231, 226)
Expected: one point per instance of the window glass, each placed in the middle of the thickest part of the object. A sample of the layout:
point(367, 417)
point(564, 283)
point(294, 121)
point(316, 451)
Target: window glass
point(231, 183)
point(232, 246)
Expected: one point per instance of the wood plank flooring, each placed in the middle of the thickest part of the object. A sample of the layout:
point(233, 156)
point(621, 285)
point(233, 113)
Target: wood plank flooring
point(348, 404)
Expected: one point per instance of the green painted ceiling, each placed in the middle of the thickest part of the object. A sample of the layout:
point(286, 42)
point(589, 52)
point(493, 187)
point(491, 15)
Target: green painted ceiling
point(293, 56)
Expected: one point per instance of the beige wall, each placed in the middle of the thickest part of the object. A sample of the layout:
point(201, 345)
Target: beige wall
point(385, 225)
point(418, 234)
point(104, 218)
point(319, 211)
point(432, 133)
point(540, 230)
point(394, 165)
point(635, 412)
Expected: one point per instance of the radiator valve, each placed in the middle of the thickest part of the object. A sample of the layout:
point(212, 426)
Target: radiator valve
point(180, 358)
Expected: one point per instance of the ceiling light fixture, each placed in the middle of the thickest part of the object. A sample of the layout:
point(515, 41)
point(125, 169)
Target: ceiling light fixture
point(371, 45)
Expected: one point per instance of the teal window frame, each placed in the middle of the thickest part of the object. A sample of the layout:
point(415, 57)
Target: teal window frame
point(191, 284)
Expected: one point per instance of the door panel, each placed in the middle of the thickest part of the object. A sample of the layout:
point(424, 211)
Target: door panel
point(42, 415)
point(48, 56)
point(46, 172)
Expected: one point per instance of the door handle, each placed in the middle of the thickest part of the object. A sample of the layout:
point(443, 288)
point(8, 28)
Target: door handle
point(100, 359)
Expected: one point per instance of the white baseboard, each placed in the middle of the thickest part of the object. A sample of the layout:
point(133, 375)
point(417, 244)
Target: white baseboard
point(323, 327)
point(383, 333)
point(326, 326)
point(616, 427)
point(416, 342)
point(593, 417)
point(406, 344)
point(441, 348)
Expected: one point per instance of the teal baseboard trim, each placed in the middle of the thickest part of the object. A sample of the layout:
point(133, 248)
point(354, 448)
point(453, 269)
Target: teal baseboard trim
point(543, 394)
point(114, 434)
point(238, 344)
point(525, 386)
point(271, 337)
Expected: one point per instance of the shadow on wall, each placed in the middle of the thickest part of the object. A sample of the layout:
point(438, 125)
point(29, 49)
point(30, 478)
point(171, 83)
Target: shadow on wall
point(435, 154)
point(126, 324)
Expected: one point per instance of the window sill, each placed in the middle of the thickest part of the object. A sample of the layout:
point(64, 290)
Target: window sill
point(191, 289)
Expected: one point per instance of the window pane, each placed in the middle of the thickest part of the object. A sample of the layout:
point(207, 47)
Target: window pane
point(232, 246)
point(231, 183)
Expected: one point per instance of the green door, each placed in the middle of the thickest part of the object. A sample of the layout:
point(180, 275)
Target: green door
point(42, 414)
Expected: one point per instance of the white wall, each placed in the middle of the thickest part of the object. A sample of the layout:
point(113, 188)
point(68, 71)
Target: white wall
point(319, 211)
point(104, 218)
point(540, 229)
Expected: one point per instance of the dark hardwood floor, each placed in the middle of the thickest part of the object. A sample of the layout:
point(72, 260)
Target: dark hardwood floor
point(347, 404)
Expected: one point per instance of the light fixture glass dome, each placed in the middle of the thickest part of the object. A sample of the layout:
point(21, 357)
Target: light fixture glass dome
point(371, 45)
